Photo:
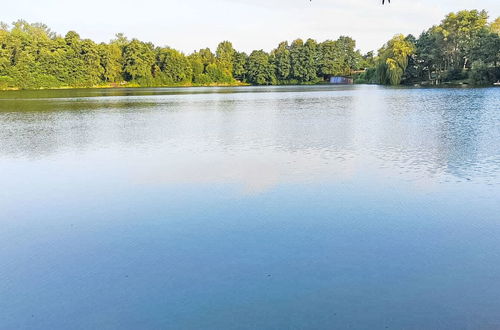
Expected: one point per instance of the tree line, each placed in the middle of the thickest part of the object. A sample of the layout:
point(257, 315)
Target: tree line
point(32, 56)
point(464, 47)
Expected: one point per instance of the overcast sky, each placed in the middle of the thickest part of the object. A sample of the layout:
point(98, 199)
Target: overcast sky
point(250, 24)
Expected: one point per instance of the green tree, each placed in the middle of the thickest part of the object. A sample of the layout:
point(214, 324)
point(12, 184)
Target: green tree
point(207, 57)
point(462, 47)
point(338, 58)
point(111, 62)
point(393, 60)
point(486, 48)
point(198, 69)
point(240, 60)
point(495, 26)
point(367, 60)
point(348, 57)
point(120, 40)
point(260, 70)
point(139, 58)
point(225, 57)
point(215, 74)
point(92, 69)
point(282, 61)
point(459, 30)
point(304, 59)
point(175, 66)
point(329, 59)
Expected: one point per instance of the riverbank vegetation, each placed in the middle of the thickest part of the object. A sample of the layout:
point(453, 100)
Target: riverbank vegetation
point(464, 48)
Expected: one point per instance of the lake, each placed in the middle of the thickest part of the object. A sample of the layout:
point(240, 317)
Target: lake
point(320, 207)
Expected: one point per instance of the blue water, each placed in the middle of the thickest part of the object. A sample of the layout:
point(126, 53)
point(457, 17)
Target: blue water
point(357, 207)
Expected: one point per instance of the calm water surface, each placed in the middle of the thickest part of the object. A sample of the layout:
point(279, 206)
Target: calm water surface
point(319, 207)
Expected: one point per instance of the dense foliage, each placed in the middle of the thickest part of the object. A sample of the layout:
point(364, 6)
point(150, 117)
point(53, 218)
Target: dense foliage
point(463, 48)
point(32, 56)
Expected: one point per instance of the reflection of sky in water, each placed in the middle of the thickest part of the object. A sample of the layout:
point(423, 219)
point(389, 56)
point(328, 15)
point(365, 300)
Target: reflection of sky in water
point(274, 207)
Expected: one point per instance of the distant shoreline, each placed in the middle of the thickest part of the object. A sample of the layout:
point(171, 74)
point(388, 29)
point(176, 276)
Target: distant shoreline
point(116, 86)
point(134, 86)
point(33, 57)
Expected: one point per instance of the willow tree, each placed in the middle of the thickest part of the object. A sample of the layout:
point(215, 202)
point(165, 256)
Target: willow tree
point(393, 59)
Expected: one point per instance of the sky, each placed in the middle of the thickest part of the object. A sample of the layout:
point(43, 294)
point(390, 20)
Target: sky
point(188, 25)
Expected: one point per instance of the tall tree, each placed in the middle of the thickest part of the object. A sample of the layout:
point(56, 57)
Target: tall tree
point(139, 58)
point(225, 56)
point(111, 62)
point(240, 60)
point(459, 30)
point(495, 26)
point(303, 59)
point(393, 59)
point(260, 70)
point(462, 47)
point(175, 67)
point(282, 61)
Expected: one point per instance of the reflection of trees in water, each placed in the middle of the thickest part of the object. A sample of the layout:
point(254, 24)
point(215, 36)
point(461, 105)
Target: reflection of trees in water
point(315, 123)
point(284, 123)
point(61, 105)
point(120, 92)
point(49, 114)
point(37, 128)
point(28, 134)
point(471, 134)
point(459, 134)
point(439, 131)
point(425, 131)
